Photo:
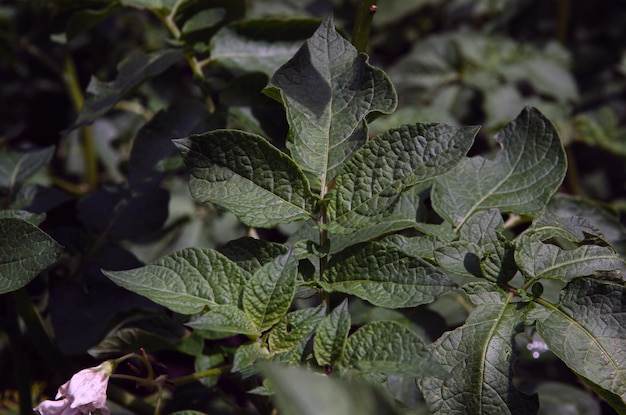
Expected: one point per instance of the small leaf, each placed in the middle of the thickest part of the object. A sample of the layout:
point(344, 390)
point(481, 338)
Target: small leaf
point(379, 172)
point(225, 318)
point(246, 356)
point(132, 71)
point(328, 89)
point(16, 167)
point(388, 347)
point(384, 276)
point(478, 360)
point(247, 175)
point(299, 392)
point(294, 328)
point(331, 335)
point(521, 179)
point(186, 281)
point(237, 45)
point(25, 251)
point(204, 19)
point(587, 331)
point(270, 292)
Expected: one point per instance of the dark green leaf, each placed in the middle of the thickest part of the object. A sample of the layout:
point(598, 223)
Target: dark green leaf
point(225, 318)
point(388, 347)
point(374, 178)
point(331, 335)
point(186, 281)
point(16, 167)
point(250, 253)
point(294, 328)
point(384, 276)
point(25, 251)
point(521, 179)
point(587, 331)
point(328, 89)
point(134, 70)
point(247, 175)
point(246, 356)
point(270, 292)
point(478, 360)
point(304, 393)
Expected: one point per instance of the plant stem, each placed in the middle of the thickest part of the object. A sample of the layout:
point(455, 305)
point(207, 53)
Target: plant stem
point(76, 95)
point(216, 371)
point(363, 24)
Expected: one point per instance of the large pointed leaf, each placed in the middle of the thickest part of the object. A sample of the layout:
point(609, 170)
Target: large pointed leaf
point(587, 331)
point(478, 360)
point(522, 177)
point(388, 347)
point(328, 89)
point(250, 253)
point(186, 281)
point(304, 393)
point(269, 293)
point(331, 335)
point(102, 96)
point(247, 175)
point(373, 180)
point(25, 251)
point(384, 276)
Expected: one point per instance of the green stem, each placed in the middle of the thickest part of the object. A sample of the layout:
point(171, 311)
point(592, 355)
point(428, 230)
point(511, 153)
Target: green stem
point(363, 24)
point(216, 371)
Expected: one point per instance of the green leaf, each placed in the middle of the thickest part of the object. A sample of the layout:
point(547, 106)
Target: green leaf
point(156, 5)
point(328, 89)
point(237, 45)
point(388, 347)
point(270, 292)
point(544, 260)
point(331, 335)
point(204, 19)
point(225, 318)
point(520, 179)
point(247, 175)
point(374, 178)
point(34, 218)
point(251, 253)
point(587, 331)
point(384, 276)
point(478, 360)
point(294, 328)
point(299, 392)
point(15, 167)
point(25, 251)
point(186, 281)
point(132, 71)
point(246, 356)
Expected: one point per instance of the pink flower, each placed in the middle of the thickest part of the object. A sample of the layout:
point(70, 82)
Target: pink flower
point(84, 394)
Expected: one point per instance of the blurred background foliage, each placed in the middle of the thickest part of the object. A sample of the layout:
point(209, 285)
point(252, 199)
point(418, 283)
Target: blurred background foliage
point(107, 84)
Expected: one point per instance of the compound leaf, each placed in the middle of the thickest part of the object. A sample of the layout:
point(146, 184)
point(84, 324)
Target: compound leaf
point(186, 281)
point(522, 177)
point(247, 175)
point(328, 89)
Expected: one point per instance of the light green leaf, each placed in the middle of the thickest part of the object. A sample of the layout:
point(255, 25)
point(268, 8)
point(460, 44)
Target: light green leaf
point(538, 259)
point(186, 281)
point(328, 89)
point(331, 335)
point(269, 293)
point(374, 178)
point(384, 276)
point(520, 179)
point(478, 360)
point(587, 331)
point(225, 318)
point(156, 5)
point(294, 328)
point(299, 392)
point(132, 71)
point(247, 175)
point(25, 251)
point(263, 44)
point(204, 19)
point(16, 167)
point(388, 347)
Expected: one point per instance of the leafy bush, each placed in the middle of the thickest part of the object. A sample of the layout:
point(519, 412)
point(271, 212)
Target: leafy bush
point(325, 265)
